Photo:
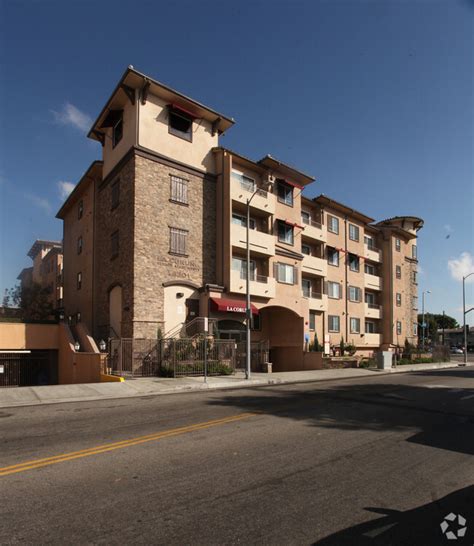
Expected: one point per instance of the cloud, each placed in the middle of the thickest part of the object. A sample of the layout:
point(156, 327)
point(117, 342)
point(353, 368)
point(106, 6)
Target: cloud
point(65, 188)
point(462, 266)
point(70, 115)
point(40, 202)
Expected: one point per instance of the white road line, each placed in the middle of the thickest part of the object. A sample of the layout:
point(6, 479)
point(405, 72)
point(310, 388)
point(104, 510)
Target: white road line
point(467, 397)
point(376, 532)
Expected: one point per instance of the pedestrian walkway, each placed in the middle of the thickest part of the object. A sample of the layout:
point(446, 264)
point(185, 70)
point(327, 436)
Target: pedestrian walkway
point(150, 386)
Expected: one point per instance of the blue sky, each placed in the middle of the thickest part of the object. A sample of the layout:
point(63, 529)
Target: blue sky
point(374, 98)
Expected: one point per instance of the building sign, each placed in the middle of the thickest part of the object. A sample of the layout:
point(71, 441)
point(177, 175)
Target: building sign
point(233, 309)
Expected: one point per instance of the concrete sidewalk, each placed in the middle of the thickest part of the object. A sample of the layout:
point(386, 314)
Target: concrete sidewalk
point(152, 386)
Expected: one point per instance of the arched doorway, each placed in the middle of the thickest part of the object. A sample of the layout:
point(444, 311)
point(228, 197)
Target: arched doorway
point(284, 329)
point(115, 311)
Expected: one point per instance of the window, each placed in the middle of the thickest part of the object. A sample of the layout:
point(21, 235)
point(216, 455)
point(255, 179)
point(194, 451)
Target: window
point(240, 264)
point(179, 190)
point(333, 323)
point(369, 241)
point(305, 217)
point(115, 193)
point(415, 329)
point(240, 220)
point(333, 256)
point(353, 262)
point(246, 182)
point(334, 290)
point(369, 269)
point(178, 241)
point(398, 272)
point(355, 325)
point(306, 284)
point(333, 224)
point(354, 294)
point(285, 194)
point(80, 209)
point(285, 273)
point(414, 252)
point(399, 328)
point(306, 249)
point(79, 245)
point(398, 245)
point(370, 327)
point(399, 299)
point(414, 277)
point(256, 323)
point(370, 298)
point(312, 320)
point(114, 244)
point(285, 233)
point(414, 302)
point(180, 125)
point(353, 232)
point(79, 281)
point(117, 131)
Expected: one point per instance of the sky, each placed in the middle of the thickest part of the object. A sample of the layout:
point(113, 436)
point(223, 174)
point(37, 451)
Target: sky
point(374, 98)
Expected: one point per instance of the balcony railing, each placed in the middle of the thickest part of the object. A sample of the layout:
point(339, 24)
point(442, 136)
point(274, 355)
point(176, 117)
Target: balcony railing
point(371, 246)
point(251, 188)
point(311, 222)
point(253, 277)
point(373, 305)
point(312, 294)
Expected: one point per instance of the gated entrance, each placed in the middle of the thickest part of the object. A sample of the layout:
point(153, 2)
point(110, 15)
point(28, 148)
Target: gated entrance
point(28, 368)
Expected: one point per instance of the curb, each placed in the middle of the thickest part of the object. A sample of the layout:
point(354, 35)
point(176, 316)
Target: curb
point(206, 387)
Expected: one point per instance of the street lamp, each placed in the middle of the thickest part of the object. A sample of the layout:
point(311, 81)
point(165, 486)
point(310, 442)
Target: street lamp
point(423, 317)
point(247, 304)
point(464, 313)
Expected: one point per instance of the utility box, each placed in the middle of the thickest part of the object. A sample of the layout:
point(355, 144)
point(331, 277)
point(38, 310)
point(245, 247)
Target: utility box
point(384, 360)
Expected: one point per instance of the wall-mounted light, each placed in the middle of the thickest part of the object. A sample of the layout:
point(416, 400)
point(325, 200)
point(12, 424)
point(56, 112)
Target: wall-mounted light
point(102, 346)
point(77, 346)
point(180, 295)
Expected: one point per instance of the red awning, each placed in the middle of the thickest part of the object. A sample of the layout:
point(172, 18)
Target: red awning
point(293, 184)
point(183, 111)
point(231, 306)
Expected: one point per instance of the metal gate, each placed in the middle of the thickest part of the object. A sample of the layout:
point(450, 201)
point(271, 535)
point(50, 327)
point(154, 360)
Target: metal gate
point(195, 356)
point(26, 369)
point(171, 357)
point(259, 355)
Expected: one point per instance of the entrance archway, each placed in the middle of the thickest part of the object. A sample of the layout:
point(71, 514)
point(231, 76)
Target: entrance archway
point(284, 330)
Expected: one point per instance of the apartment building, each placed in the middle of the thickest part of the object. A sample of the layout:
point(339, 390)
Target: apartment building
point(47, 257)
point(155, 235)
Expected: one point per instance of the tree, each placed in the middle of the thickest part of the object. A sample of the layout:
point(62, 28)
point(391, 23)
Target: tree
point(341, 346)
point(34, 301)
point(435, 322)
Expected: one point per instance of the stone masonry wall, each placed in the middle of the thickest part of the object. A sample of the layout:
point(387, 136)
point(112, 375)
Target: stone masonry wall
point(111, 271)
point(154, 215)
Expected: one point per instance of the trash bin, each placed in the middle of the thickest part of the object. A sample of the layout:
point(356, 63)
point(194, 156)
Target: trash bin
point(384, 360)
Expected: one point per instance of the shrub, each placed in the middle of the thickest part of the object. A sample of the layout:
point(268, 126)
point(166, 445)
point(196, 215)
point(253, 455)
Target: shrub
point(342, 346)
point(351, 349)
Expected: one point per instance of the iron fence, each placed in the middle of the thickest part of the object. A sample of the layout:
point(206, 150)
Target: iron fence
point(259, 354)
point(195, 356)
point(133, 357)
point(28, 369)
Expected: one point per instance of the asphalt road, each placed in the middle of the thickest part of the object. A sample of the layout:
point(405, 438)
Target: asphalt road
point(367, 461)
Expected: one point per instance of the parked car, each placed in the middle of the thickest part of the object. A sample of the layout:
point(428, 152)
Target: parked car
point(456, 351)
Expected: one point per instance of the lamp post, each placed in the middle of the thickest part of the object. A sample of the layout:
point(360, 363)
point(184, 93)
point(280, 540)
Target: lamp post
point(247, 291)
point(464, 313)
point(423, 317)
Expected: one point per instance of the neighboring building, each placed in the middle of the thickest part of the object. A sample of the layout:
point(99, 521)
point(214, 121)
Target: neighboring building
point(46, 271)
point(157, 233)
point(454, 337)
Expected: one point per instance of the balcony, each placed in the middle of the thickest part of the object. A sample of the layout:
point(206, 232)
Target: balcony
point(316, 300)
point(373, 310)
point(263, 287)
point(372, 253)
point(314, 230)
point(373, 339)
point(372, 282)
point(315, 266)
point(260, 243)
point(262, 200)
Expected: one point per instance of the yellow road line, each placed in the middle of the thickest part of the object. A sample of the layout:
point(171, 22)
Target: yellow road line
point(38, 463)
